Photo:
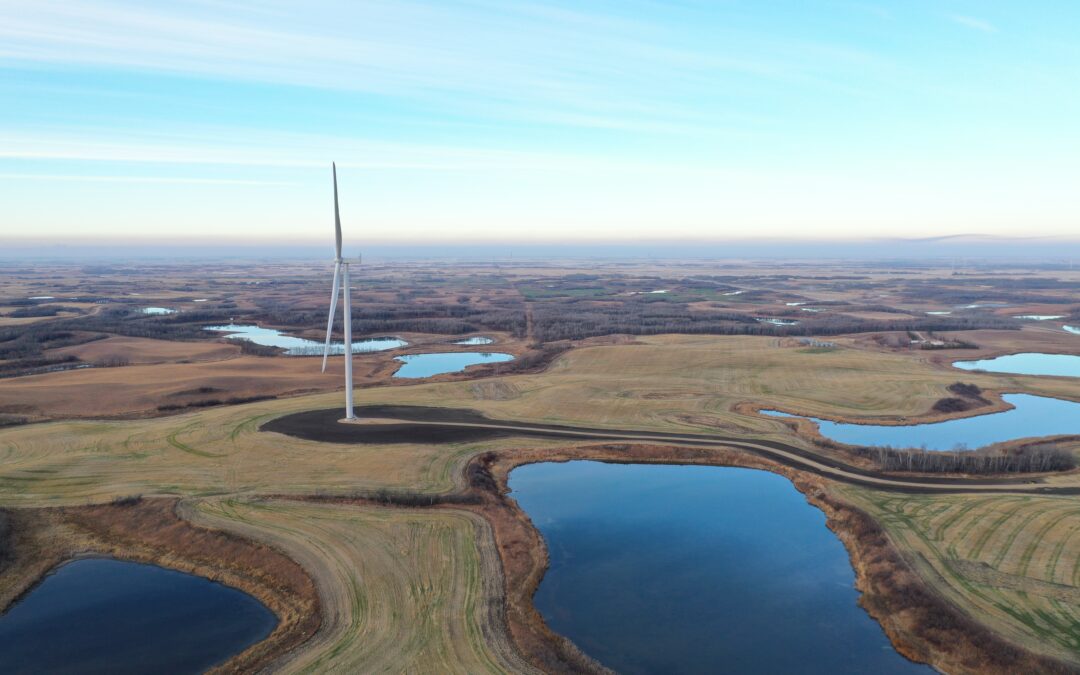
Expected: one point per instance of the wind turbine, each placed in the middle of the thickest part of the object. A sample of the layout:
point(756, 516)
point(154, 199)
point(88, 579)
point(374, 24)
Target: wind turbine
point(341, 280)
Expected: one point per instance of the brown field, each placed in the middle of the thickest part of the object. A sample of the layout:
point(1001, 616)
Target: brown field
point(144, 351)
point(140, 389)
point(422, 589)
point(879, 316)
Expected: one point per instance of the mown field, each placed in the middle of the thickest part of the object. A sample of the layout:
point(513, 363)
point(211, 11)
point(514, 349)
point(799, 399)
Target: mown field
point(402, 590)
point(661, 383)
point(418, 583)
point(1012, 562)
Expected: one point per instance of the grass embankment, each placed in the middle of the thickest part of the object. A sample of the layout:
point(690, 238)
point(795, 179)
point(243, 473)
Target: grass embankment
point(1013, 562)
point(33, 541)
point(922, 625)
point(414, 590)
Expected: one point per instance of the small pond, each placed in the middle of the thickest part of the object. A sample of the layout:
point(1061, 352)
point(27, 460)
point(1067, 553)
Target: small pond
point(99, 615)
point(1072, 329)
point(157, 311)
point(1063, 365)
point(1041, 317)
point(475, 340)
point(427, 365)
point(296, 346)
point(697, 569)
point(779, 322)
point(1031, 416)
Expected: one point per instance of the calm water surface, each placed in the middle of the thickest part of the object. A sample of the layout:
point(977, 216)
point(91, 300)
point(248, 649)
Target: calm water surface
point(1072, 329)
point(779, 322)
point(155, 311)
point(99, 615)
point(476, 340)
point(295, 346)
point(426, 365)
point(1032, 416)
point(692, 569)
point(1065, 365)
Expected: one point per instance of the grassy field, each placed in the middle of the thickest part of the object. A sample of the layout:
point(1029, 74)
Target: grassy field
point(146, 350)
point(1013, 562)
point(658, 381)
point(418, 583)
point(662, 383)
point(402, 590)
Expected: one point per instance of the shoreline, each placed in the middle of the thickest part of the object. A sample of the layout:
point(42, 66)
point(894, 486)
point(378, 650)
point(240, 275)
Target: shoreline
point(921, 625)
point(152, 531)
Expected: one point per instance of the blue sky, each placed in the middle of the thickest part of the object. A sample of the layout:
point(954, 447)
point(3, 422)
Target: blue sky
point(539, 121)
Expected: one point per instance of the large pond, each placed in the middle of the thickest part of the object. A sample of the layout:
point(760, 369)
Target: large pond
point(694, 569)
point(99, 615)
point(1031, 416)
point(295, 346)
point(427, 365)
point(1030, 363)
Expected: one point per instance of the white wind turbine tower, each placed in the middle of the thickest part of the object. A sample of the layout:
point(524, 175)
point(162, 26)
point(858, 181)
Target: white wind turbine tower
point(341, 280)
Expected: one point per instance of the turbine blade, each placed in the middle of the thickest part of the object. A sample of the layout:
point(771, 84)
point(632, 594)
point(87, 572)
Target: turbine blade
point(337, 217)
point(333, 306)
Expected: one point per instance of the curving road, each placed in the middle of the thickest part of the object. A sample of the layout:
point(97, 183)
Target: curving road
point(417, 424)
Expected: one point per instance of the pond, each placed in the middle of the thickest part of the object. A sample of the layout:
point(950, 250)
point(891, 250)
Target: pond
point(1030, 363)
point(99, 615)
point(1041, 317)
point(427, 365)
point(1072, 329)
point(696, 569)
point(296, 346)
point(779, 322)
point(476, 340)
point(1031, 416)
point(157, 311)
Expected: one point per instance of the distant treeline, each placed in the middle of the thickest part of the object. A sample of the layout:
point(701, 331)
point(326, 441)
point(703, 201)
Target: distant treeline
point(568, 320)
point(23, 347)
point(419, 317)
point(211, 402)
point(1027, 459)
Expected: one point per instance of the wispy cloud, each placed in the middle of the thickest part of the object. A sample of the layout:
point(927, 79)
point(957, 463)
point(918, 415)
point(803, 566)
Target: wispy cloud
point(84, 178)
point(974, 23)
point(522, 58)
point(279, 150)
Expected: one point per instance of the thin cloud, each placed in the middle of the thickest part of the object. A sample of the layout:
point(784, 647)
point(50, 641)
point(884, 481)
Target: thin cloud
point(974, 23)
point(638, 74)
point(136, 179)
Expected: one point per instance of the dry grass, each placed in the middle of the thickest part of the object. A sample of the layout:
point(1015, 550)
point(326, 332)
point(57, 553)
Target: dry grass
point(164, 369)
point(430, 565)
point(656, 381)
point(144, 351)
point(661, 383)
point(402, 590)
point(104, 392)
point(1013, 562)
